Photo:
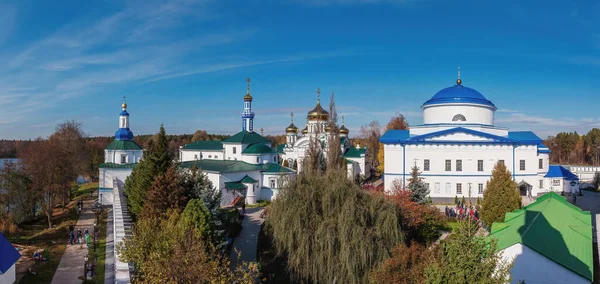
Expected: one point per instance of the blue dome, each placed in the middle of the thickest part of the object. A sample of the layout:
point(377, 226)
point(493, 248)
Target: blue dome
point(123, 134)
point(459, 94)
point(124, 112)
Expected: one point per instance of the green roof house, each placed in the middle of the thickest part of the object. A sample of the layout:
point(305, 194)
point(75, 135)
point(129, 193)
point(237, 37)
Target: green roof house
point(550, 241)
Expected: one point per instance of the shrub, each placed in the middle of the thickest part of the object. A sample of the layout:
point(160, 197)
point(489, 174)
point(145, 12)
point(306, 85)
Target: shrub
point(406, 265)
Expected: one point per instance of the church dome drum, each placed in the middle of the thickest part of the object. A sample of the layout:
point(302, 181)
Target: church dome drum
point(318, 113)
point(291, 129)
point(458, 105)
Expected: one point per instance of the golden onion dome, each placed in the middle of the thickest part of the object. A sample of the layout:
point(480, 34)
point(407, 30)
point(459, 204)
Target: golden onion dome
point(124, 106)
point(318, 113)
point(291, 129)
point(305, 130)
point(248, 97)
point(344, 130)
point(327, 128)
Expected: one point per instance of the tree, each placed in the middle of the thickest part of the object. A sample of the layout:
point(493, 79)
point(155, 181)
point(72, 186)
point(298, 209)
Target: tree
point(406, 265)
point(176, 244)
point(418, 190)
point(370, 134)
point(46, 163)
point(501, 196)
point(468, 258)
point(200, 135)
point(197, 216)
point(69, 136)
point(20, 198)
point(397, 122)
point(334, 151)
point(166, 192)
point(157, 159)
point(596, 180)
point(330, 230)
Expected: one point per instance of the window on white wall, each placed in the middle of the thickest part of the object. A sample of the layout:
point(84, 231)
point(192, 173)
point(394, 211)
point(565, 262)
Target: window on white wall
point(426, 165)
point(480, 188)
point(437, 187)
point(257, 160)
point(234, 150)
point(272, 182)
point(123, 158)
point(459, 165)
point(459, 188)
point(522, 165)
point(480, 165)
point(556, 182)
point(448, 165)
point(448, 188)
point(541, 164)
point(541, 183)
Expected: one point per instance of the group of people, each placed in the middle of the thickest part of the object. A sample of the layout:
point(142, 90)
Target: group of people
point(462, 211)
point(79, 237)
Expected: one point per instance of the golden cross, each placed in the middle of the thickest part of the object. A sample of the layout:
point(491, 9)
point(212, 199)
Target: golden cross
point(248, 85)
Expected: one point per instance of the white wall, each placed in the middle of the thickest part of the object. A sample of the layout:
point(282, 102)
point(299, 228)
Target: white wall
point(229, 155)
point(107, 174)
point(264, 158)
point(536, 268)
point(469, 154)
point(114, 156)
point(190, 155)
point(9, 277)
point(443, 113)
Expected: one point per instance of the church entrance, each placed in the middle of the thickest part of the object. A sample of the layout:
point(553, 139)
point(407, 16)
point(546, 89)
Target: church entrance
point(524, 188)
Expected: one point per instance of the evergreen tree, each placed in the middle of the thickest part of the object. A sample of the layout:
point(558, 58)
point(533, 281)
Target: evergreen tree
point(468, 258)
point(196, 215)
point(418, 189)
point(166, 192)
point(501, 196)
point(156, 161)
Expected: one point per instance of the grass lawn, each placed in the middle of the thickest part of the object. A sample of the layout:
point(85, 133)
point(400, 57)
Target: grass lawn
point(35, 235)
point(453, 225)
point(100, 254)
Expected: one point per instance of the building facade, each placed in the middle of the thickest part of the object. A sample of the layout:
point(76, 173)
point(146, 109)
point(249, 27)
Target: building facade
point(458, 146)
point(120, 157)
point(244, 166)
point(293, 151)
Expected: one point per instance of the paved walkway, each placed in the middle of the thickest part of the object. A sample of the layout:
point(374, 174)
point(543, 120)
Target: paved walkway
point(70, 269)
point(247, 242)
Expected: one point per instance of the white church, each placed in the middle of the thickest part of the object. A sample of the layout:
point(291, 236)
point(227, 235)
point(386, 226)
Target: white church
point(294, 150)
point(244, 166)
point(458, 145)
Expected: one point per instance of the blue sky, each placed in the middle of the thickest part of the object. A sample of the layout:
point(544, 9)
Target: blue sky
point(184, 62)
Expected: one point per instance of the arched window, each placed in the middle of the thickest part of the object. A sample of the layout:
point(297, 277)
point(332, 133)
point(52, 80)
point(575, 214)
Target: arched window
point(459, 117)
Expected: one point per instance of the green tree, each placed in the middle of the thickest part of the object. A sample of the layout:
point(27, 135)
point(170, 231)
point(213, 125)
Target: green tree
point(19, 196)
point(161, 243)
point(200, 135)
point(468, 258)
point(156, 161)
point(166, 192)
point(330, 230)
point(197, 215)
point(501, 196)
point(418, 190)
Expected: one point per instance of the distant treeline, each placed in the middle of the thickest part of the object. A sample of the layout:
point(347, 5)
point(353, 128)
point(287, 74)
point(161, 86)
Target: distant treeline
point(575, 149)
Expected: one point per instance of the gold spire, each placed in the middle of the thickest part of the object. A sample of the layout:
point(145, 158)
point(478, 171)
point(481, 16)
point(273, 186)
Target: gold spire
point(458, 81)
point(248, 97)
point(124, 105)
point(343, 129)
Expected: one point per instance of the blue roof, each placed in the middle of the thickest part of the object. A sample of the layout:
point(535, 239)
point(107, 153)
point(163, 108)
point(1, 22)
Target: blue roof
point(394, 136)
point(543, 149)
point(123, 134)
point(556, 171)
point(459, 94)
point(124, 112)
point(527, 137)
point(8, 254)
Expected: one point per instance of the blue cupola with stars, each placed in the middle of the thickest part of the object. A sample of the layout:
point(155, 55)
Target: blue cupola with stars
point(123, 133)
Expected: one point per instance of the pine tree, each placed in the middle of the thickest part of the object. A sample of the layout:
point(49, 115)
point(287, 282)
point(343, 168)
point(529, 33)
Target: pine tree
point(196, 215)
point(156, 161)
point(166, 192)
point(418, 189)
point(501, 196)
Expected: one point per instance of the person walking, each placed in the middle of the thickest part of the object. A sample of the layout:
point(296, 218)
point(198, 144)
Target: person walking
point(71, 234)
point(79, 237)
point(574, 198)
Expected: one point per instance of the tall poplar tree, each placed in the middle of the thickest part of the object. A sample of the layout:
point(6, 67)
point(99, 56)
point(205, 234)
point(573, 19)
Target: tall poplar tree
point(501, 196)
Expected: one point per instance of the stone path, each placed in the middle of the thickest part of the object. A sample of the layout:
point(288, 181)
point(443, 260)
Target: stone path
point(109, 272)
point(70, 269)
point(247, 242)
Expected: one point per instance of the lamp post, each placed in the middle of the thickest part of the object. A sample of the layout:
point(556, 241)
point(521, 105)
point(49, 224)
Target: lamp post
point(85, 258)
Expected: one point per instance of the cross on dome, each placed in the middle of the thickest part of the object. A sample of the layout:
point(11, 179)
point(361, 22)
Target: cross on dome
point(248, 85)
point(318, 95)
point(124, 105)
point(458, 81)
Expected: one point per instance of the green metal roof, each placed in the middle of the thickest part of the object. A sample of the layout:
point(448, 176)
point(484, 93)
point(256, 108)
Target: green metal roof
point(275, 168)
point(355, 153)
point(246, 137)
point(248, 179)
point(235, 185)
point(280, 148)
point(552, 227)
point(258, 148)
point(204, 145)
point(220, 165)
point(123, 145)
point(117, 166)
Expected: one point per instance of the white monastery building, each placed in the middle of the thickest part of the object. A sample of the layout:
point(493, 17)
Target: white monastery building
point(242, 166)
point(317, 120)
point(458, 146)
point(120, 157)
